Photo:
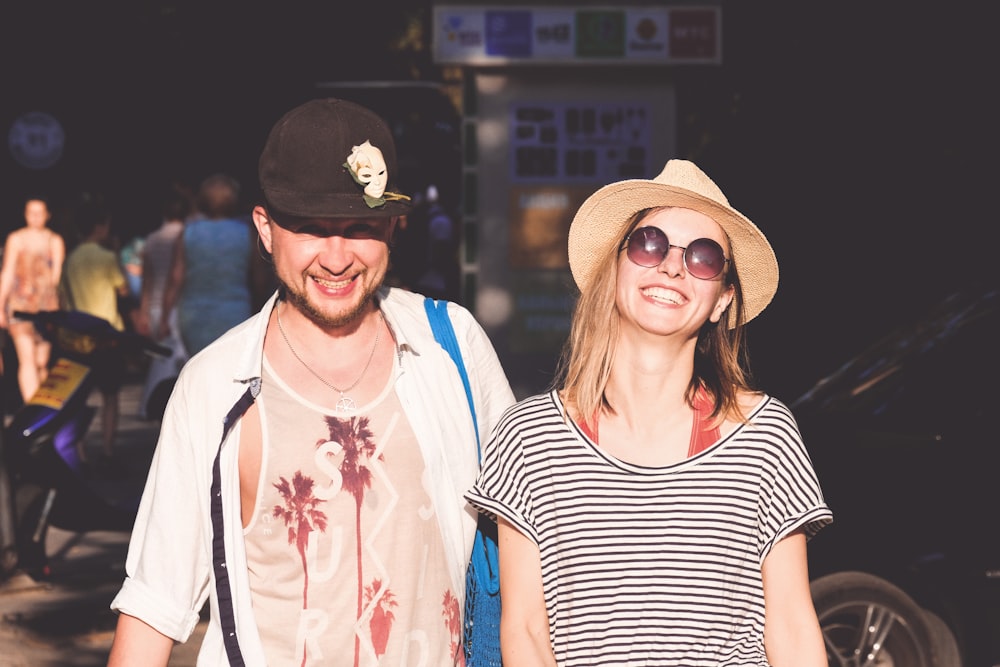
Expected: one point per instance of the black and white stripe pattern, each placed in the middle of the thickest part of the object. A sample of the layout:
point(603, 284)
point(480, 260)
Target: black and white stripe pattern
point(651, 566)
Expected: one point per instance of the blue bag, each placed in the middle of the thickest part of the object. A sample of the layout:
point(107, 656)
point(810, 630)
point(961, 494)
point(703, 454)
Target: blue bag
point(481, 633)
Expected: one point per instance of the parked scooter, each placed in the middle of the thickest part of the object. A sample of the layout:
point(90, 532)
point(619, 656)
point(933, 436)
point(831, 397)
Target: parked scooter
point(43, 481)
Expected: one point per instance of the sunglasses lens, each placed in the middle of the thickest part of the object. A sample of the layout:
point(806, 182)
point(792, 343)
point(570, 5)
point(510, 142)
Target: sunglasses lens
point(705, 259)
point(647, 246)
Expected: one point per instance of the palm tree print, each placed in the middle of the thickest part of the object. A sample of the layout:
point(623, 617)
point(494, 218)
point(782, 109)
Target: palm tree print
point(301, 517)
point(382, 617)
point(453, 622)
point(356, 440)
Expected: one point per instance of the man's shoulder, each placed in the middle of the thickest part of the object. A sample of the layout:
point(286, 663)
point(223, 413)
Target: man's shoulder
point(227, 352)
point(89, 250)
point(75, 256)
point(409, 307)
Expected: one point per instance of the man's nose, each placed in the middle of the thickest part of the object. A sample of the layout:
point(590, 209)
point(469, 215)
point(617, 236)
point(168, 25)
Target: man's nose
point(336, 254)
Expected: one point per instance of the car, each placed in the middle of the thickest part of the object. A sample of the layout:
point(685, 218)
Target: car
point(904, 440)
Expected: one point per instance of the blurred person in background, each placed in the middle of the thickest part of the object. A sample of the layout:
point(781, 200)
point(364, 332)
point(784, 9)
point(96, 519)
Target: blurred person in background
point(93, 282)
point(440, 278)
point(212, 272)
point(130, 258)
point(151, 320)
point(425, 249)
point(29, 281)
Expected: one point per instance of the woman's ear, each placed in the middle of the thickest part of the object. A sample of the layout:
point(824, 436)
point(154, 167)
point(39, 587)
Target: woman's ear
point(725, 299)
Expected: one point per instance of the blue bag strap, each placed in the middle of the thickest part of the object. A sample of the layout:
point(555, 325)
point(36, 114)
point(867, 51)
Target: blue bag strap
point(444, 334)
point(484, 559)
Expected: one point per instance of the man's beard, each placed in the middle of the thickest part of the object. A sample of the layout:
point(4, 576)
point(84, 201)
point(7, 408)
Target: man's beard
point(300, 302)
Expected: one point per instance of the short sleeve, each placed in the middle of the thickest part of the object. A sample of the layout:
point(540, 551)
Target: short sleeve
point(793, 498)
point(501, 487)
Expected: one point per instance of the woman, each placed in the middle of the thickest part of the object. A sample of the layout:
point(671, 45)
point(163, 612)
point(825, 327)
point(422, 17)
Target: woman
point(157, 261)
point(29, 281)
point(210, 278)
point(654, 509)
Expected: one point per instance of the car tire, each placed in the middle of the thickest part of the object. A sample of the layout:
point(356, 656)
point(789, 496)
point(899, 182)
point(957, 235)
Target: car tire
point(946, 651)
point(869, 621)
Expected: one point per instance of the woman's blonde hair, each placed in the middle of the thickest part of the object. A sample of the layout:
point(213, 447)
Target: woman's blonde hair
point(721, 363)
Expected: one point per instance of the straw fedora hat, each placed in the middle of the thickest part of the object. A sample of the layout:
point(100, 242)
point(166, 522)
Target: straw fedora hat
point(599, 225)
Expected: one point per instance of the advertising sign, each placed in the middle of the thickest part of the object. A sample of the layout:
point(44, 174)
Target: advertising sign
point(481, 35)
point(579, 142)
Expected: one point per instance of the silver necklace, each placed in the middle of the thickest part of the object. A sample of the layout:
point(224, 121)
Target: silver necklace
point(345, 403)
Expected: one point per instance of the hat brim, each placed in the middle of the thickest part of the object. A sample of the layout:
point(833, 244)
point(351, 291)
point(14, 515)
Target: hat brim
point(327, 205)
point(600, 223)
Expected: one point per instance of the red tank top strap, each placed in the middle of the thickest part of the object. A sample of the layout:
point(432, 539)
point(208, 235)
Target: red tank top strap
point(703, 433)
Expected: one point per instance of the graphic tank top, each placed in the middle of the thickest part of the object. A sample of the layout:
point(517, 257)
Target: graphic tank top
point(345, 554)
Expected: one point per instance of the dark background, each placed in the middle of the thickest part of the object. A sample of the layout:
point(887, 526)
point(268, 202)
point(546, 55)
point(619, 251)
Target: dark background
point(859, 135)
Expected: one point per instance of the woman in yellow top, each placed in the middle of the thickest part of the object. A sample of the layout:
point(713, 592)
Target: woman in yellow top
point(32, 264)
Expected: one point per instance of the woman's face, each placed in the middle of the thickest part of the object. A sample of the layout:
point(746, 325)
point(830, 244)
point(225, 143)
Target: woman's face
point(666, 299)
point(36, 213)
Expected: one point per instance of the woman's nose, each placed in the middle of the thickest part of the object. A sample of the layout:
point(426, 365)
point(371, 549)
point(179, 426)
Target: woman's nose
point(673, 262)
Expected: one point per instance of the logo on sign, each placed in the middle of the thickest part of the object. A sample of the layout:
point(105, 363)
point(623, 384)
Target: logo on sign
point(600, 33)
point(36, 140)
point(647, 37)
point(458, 35)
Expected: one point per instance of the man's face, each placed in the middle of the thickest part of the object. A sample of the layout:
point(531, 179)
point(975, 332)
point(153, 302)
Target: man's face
point(330, 268)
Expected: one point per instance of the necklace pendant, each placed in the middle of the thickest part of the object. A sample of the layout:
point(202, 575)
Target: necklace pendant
point(346, 404)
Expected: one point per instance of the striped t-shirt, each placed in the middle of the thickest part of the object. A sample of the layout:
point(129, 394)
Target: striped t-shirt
point(651, 566)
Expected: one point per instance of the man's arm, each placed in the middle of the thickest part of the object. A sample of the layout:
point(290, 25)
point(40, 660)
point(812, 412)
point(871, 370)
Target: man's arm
point(137, 643)
point(524, 621)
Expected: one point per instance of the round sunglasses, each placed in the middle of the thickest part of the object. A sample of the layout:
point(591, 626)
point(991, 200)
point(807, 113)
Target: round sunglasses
point(648, 246)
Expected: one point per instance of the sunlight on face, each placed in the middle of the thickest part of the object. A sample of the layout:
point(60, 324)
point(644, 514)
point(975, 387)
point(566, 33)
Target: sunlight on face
point(329, 268)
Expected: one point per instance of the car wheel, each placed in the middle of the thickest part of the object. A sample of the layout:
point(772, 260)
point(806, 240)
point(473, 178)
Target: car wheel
point(946, 651)
point(869, 621)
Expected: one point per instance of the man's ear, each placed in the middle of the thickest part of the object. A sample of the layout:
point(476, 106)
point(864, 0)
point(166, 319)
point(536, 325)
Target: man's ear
point(395, 223)
point(263, 224)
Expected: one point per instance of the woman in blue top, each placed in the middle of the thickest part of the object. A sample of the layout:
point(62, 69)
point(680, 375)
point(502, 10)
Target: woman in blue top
point(210, 279)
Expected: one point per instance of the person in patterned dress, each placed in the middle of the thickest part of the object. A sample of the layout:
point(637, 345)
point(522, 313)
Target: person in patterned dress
point(29, 281)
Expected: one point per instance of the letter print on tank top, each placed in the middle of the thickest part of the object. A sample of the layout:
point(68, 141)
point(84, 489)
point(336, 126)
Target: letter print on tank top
point(345, 554)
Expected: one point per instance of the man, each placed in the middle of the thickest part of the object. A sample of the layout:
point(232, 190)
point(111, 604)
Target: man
point(310, 472)
point(92, 282)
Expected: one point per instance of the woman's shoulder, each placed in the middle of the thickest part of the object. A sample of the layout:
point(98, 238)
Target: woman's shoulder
point(543, 406)
point(18, 234)
point(11, 241)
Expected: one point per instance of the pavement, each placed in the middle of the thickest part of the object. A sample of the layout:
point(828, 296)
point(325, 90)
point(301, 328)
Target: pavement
point(64, 620)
